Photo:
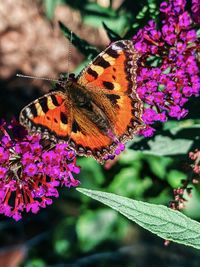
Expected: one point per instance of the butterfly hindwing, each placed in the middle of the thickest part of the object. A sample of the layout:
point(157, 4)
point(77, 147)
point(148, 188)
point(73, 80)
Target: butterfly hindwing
point(86, 138)
point(48, 115)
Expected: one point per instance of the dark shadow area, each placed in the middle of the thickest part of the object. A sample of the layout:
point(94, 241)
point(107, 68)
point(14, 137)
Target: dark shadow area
point(15, 93)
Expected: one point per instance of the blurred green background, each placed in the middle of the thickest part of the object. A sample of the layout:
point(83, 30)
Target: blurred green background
point(77, 231)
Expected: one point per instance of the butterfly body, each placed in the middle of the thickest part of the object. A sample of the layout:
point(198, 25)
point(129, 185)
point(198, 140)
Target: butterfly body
point(94, 111)
point(92, 105)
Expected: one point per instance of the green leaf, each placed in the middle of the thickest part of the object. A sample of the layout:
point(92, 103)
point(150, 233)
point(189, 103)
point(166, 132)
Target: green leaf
point(176, 126)
point(62, 246)
point(158, 165)
point(98, 10)
point(117, 22)
point(81, 66)
point(127, 182)
point(166, 223)
point(93, 171)
point(50, 6)
point(153, 8)
point(142, 13)
point(175, 177)
point(111, 34)
point(163, 145)
point(83, 46)
point(35, 263)
point(64, 237)
point(198, 33)
point(192, 205)
point(95, 227)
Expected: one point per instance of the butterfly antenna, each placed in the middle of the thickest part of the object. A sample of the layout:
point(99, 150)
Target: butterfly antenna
point(37, 78)
point(69, 54)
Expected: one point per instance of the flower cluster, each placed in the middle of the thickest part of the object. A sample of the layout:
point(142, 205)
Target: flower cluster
point(193, 178)
point(31, 170)
point(195, 157)
point(168, 70)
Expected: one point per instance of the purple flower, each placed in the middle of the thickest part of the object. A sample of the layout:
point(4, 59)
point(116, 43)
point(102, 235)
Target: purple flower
point(47, 157)
point(177, 112)
point(196, 11)
point(119, 149)
point(148, 131)
point(4, 155)
point(30, 169)
point(184, 20)
point(149, 116)
point(34, 207)
point(27, 158)
point(30, 173)
point(161, 117)
point(165, 89)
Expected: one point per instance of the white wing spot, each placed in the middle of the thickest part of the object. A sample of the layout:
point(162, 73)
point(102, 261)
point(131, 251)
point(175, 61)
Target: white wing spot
point(116, 47)
point(29, 113)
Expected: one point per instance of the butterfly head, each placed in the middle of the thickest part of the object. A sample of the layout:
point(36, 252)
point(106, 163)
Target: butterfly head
point(64, 77)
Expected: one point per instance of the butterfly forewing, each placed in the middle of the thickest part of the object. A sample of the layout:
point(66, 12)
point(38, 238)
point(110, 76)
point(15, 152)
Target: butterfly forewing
point(113, 73)
point(113, 70)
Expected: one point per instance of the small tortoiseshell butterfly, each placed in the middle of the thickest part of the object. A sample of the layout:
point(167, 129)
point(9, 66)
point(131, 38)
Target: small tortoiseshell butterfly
point(94, 111)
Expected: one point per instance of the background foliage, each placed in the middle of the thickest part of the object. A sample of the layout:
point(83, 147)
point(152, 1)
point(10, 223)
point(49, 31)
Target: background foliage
point(75, 230)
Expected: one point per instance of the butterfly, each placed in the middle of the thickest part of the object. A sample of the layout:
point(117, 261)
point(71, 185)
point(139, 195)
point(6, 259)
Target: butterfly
point(94, 111)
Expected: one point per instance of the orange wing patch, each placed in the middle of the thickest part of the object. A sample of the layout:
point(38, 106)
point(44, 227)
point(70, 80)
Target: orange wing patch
point(48, 115)
point(113, 72)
